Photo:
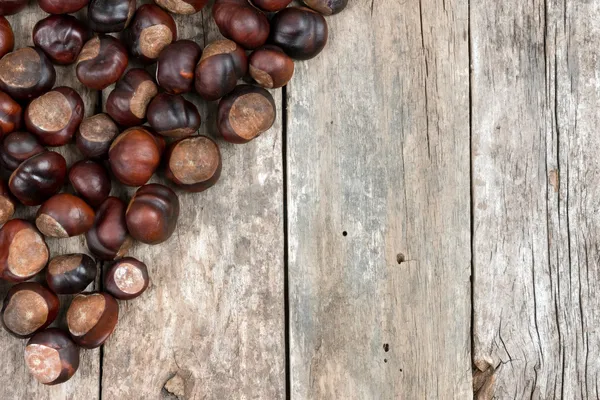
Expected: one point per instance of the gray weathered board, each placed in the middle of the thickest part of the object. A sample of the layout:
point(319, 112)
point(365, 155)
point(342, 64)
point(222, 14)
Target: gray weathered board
point(429, 198)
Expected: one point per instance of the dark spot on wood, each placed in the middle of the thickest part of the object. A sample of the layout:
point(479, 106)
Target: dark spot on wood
point(400, 369)
point(345, 233)
point(385, 360)
point(400, 258)
point(386, 347)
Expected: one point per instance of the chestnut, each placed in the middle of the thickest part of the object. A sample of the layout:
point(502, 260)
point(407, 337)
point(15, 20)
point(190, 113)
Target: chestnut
point(61, 37)
point(152, 214)
point(23, 251)
point(18, 147)
point(173, 116)
point(26, 73)
point(241, 22)
point(128, 102)
point(193, 163)
point(71, 273)
point(90, 181)
point(28, 308)
point(51, 356)
point(62, 6)
point(91, 318)
point(108, 239)
point(134, 156)
point(245, 113)
point(7, 37)
point(175, 66)
point(7, 203)
point(222, 64)
point(150, 31)
point(64, 215)
point(38, 178)
point(271, 5)
point(95, 134)
point(182, 6)
point(270, 67)
point(327, 7)
point(101, 62)
point(11, 114)
point(106, 16)
point(126, 279)
point(300, 32)
point(10, 7)
point(55, 116)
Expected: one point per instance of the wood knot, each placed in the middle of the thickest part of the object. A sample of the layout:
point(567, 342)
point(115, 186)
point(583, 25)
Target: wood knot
point(176, 386)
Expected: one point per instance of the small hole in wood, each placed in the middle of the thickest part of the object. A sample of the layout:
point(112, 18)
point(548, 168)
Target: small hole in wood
point(400, 258)
point(386, 347)
point(345, 233)
point(385, 360)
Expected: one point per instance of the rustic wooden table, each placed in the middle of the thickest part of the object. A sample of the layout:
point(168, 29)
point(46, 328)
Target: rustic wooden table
point(420, 223)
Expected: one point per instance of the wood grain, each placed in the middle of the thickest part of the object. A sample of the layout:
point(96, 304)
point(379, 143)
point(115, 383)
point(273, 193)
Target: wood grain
point(379, 206)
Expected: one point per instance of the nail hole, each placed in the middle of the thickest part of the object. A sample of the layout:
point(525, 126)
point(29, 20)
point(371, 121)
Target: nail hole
point(386, 347)
point(400, 258)
point(400, 369)
point(385, 360)
point(345, 233)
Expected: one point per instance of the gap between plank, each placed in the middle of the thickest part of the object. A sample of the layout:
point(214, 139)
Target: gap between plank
point(99, 286)
point(286, 299)
point(472, 187)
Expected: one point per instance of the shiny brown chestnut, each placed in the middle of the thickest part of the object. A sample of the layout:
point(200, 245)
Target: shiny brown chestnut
point(128, 102)
point(194, 163)
point(95, 134)
point(245, 113)
point(182, 6)
point(301, 32)
point(55, 116)
point(90, 181)
point(26, 83)
point(18, 147)
point(134, 156)
point(108, 239)
point(11, 114)
point(126, 279)
point(23, 251)
point(175, 66)
point(152, 214)
point(7, 37)
point(92, 318)
point(101, 62)
point(64, 215)
point(106, 16)
point(7, 203)
point(62, 6)
point(327, 7)
point(173, 116)
point(241, 22)
point(222, 64)
point(270, 67)
point(71, 273)
point(150, 31)
point(271, 5)
point(52, 357)
point(38, 178)
point(61, 37)
point(28, 308)
point(10, 7)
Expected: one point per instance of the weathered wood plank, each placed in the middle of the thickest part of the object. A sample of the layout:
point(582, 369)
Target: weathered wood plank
point(379, 206)
point(535, 184)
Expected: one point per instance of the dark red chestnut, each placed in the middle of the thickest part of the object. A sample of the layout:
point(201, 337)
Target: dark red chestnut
point(61, 37)
point(173, 116)
point(52, 357)
point(175, 66)
point(245, 113)
point(90, 181)
point(134, 156)
point(10, 7)
point(193, 163)
point(150, 31)
point(327, 7)
point(7, 203)
point(18, 147)
point(301, 32)
point(271, 5)
point(92, 318)
point(28, 308)
point(95, 134)
point(62, 6)
point(71, 273)
point(11, 114)
point(38, 178)
point(128, 102)
point(152, 214)
point(7, 38)
point(241, 22)
point(23, 251)
point(26, 73)
point(126, 279)
point(64, 215)
point(108, 239)
point(55, 116)
point(182, 6)
point(222, 64)
point(107, 16)
point(270, 67)
point(101, 62)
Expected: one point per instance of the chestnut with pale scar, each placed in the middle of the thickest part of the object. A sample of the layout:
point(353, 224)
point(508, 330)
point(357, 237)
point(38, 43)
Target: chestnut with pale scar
point(127, 278)
point(92, 318)
point(194, 163)
point(23, 251)
point(51, 356)
point(28, 307)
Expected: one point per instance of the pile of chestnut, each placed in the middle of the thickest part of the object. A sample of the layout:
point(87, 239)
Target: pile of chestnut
point(262, 39)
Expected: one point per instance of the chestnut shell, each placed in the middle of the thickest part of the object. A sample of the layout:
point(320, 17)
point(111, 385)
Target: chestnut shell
point(40, 293)
point(301, 32)
point(52, 340)
point(36, 78)
point(61, 37)
point(18, 147)
point(38, 178)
